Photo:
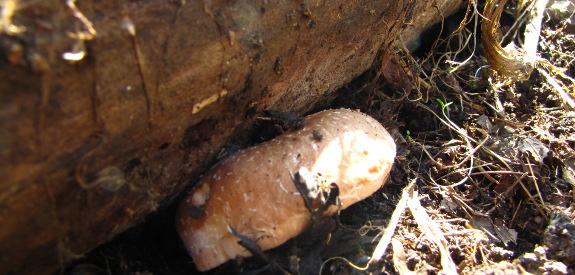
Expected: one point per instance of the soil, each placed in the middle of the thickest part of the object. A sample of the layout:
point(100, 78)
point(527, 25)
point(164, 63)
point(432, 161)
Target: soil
point(492, 160)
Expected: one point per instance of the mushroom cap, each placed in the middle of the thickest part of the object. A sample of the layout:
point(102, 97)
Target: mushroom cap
point(252, 191)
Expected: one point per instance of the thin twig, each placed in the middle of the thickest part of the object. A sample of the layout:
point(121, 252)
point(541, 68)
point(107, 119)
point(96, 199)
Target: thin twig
point(390, 229)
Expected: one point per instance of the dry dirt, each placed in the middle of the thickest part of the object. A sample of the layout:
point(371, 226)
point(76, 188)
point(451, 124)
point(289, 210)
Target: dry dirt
point(492, 161)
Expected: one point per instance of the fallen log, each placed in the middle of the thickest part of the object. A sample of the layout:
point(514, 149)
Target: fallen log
point(110, 108)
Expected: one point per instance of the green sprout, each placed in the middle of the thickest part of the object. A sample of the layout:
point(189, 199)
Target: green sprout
point(443, 107)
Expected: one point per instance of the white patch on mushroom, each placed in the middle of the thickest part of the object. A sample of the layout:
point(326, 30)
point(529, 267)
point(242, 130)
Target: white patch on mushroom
point(315, 146)
point(281, 185)
point(295, 158)
point(200, 195)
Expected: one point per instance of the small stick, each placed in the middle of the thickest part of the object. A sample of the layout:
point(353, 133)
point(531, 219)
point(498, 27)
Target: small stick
point(390, 229)
point(557, 87)
point(535, 182)
point(533, 28)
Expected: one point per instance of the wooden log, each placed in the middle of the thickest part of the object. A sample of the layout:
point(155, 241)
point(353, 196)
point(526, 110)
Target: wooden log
point(110, 108)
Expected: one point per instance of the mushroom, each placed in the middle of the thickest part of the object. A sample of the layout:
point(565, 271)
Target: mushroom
point(253, 193)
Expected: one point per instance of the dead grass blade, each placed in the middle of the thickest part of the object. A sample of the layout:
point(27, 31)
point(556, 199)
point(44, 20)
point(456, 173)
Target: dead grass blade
point(390, 229)
point(428, 227)
point(557, 88)
point(432, 231)
point(387, 233)
point(399, 258)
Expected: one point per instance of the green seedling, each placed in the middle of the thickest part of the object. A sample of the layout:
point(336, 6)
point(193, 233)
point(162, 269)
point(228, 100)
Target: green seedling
point(443, 107)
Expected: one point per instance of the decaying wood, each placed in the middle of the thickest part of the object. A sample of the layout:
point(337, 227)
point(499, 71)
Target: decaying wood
point(110, 108)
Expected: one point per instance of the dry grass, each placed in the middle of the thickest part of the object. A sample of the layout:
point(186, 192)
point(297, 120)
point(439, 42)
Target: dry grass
point(493, 152)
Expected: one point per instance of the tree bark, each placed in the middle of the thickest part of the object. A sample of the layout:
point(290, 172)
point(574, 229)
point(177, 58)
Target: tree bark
point(110, 108)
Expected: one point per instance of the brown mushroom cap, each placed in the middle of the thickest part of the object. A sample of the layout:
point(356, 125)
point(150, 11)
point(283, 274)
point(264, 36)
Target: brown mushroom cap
point(253, 193)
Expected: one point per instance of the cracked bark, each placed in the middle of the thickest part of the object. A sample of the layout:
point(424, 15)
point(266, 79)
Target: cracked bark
point(89, 148)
